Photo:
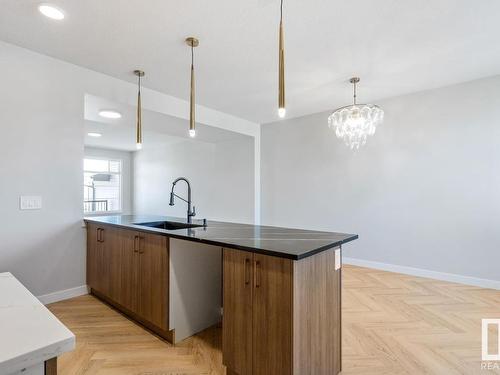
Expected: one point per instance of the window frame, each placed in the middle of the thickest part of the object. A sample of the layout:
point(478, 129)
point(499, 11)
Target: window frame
point(104, 213)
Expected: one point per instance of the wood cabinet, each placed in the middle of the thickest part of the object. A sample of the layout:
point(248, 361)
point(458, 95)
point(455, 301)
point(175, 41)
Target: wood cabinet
point(111, 269)
point(257, 319)
point(104, 260)
point(237, 318)
point(97, 274)
point(152, 286)
point(281, 316)
point(272, 315)
point(129, 269)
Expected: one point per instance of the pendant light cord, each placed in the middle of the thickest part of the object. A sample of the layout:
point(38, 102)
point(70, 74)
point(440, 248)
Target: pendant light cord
point(281, 11)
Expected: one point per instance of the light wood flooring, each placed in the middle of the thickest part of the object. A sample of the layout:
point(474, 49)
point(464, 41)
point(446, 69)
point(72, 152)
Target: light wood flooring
point(392, 324)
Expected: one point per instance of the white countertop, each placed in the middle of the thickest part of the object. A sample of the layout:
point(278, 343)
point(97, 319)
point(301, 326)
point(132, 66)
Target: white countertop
point(29, 333)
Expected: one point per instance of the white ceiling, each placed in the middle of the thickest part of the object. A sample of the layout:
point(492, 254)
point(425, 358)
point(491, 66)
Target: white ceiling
point(158, 128)
point(396, 46)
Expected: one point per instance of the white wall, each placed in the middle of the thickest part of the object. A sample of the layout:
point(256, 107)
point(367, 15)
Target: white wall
point(221, 176)
point(126, 175)
point(233, 182)
point(424, 192)
point(42, 127)
point(41, 120)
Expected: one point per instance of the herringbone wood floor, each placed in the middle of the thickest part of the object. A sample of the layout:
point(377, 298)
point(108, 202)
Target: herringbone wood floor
point(392, 324)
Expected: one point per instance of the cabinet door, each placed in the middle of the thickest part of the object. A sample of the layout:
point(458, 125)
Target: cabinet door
point(272, 315)
point(129, 272)
point(103, 266)
point(99, 265)
point(112, 254)
point(237, 317)
point(153, 279)
point(93, 233)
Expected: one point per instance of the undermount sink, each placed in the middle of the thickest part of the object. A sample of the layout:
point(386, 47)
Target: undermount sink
point(169, 225)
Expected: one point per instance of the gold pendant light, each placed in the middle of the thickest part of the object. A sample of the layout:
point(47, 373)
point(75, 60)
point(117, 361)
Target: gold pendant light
point(138, 144)
point(281, 68)
point(192, 42)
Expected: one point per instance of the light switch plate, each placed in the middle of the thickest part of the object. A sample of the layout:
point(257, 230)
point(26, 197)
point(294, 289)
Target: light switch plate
point(30, 202)
point(338, 260)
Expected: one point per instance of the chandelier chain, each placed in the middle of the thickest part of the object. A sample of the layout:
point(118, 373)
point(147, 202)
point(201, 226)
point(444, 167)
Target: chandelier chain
point(354, 91)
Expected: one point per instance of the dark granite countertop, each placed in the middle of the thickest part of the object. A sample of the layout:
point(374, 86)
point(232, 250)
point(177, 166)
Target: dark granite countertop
point(281, 242)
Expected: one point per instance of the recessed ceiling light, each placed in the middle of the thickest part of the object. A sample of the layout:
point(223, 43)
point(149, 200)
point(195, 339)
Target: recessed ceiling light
point(108, 113)
point(95, 135)
point(51, 11)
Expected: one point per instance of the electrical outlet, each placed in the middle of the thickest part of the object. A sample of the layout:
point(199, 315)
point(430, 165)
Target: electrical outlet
point(30, 202)
point(338, 260)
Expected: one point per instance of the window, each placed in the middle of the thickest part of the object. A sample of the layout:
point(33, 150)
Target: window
point(102, 185)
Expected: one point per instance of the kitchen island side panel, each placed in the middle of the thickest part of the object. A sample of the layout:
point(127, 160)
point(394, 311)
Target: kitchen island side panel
point(317, 315)
point(195, 287)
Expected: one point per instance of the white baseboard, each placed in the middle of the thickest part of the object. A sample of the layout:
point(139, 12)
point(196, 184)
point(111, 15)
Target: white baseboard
point(467, 280)
point(63, 294)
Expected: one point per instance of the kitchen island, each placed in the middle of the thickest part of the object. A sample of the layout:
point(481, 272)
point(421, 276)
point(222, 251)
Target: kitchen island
point(281, 287)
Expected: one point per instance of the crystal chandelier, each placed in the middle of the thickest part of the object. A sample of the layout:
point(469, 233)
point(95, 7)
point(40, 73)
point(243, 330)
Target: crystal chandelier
point(354, 123)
